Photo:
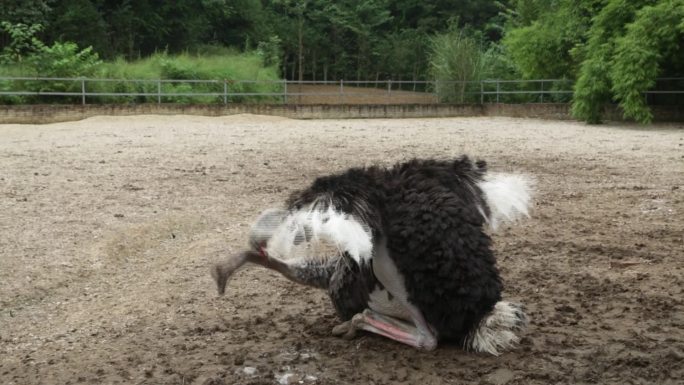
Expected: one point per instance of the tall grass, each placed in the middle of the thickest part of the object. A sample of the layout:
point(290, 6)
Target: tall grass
point(455, 61)
point(206, 63)
point(216, 65)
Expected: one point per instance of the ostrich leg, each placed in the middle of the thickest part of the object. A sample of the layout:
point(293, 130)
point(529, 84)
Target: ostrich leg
point(380, 320)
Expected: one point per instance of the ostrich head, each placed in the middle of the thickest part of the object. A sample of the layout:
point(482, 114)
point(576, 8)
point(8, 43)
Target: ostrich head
point(264, 227)
point(262, 230)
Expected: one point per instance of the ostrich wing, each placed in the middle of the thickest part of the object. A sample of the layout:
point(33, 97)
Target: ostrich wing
point(315, 232)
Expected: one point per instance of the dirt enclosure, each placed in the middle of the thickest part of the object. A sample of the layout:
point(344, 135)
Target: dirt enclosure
point(108, 227)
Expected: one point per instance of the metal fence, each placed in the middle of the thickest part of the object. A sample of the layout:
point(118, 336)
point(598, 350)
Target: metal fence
point(27, 90)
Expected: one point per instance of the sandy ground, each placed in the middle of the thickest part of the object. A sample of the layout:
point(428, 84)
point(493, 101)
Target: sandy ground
point(108, 227)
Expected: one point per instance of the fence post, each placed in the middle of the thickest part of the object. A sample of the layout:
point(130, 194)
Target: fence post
point(158, 91)
point(389, 90)
point(341, 91)
point(481, 91)
point(542, 91)
point(285, 91)
point(497, 91)
point(225, 91)
point(83, 91)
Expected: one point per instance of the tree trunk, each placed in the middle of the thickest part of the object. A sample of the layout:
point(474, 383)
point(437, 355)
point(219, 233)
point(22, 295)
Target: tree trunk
point(313, 66)
point(301, 47)
point(131, 46)
point(284, 64)
point(358, 67)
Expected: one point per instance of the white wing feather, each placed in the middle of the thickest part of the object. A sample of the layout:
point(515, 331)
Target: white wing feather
point(316, 233)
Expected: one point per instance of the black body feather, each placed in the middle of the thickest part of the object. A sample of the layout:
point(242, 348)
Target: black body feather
point(430, 213)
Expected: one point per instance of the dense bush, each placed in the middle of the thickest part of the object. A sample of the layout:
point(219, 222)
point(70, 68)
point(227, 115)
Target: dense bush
point(592, 90)
point(653, 38)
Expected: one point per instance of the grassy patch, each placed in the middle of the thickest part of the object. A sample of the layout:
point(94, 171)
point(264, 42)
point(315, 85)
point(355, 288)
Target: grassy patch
point(220, 65)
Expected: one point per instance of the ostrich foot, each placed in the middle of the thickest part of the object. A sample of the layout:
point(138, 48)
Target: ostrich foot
point(385, 326)
point(344, 330)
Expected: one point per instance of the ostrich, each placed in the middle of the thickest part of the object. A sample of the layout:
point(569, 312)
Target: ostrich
point(402, 251)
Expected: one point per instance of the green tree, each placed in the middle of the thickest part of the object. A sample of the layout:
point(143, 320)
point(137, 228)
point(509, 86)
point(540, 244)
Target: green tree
point(609, 71)
point(22, 12)
point(403, 54)
point(541, 38)
point(81, 22)
point(434, 16)
point(592, 90)
point(293, 17)
point(236, 23)
point(361, 20)
point(655, 36)
point(497, 64)
point(270, 51)
point(124, 24)
point(25, 11)
point(23, 41)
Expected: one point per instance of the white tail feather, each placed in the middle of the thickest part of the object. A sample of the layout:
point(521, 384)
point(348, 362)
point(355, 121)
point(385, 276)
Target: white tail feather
point(508, 196)
point(498, 330)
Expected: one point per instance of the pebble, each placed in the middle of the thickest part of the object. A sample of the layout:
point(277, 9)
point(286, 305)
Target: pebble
point(500, 376)
point(249, 370)
point(284, 379)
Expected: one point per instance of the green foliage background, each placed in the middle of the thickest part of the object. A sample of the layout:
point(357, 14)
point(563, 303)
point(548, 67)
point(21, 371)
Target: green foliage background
point(612, 50)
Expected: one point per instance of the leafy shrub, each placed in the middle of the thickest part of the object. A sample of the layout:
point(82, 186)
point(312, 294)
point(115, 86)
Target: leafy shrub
point(175, 69)
point(23, 41)
point(65, 60)
point(7, 85)
point(497, 64)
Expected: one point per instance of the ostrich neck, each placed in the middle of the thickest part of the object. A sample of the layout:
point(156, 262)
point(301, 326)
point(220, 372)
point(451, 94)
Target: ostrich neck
point(303, 271)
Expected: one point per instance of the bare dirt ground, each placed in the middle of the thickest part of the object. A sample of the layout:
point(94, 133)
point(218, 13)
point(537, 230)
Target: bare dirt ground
point(108, 227)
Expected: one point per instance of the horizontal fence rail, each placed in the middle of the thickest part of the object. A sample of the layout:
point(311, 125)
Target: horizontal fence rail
point(28, 90)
